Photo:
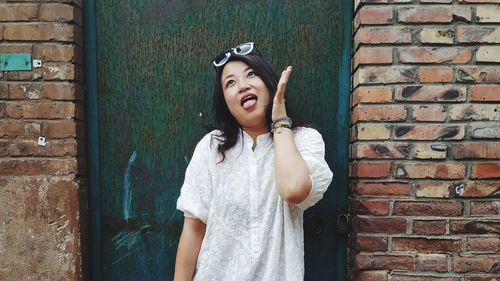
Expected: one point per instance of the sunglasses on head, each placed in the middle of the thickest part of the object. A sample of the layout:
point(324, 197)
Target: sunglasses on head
point(242, 49)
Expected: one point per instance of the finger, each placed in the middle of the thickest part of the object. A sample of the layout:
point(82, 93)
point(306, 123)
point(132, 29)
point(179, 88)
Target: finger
point(280, 92)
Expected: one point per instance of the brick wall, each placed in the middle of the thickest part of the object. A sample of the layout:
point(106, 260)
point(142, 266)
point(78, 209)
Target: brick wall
point(42, 190)
point(424, 152)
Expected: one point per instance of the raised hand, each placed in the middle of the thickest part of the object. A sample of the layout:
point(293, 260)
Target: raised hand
point(279, 108)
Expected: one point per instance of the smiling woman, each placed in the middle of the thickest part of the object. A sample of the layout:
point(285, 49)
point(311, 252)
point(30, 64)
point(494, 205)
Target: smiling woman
point(249, 181)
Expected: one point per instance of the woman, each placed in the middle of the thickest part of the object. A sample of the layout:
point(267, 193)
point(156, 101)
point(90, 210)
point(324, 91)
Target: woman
point(249, 182)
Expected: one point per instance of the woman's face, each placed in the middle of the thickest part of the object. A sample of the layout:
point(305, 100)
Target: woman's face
point(246, 95)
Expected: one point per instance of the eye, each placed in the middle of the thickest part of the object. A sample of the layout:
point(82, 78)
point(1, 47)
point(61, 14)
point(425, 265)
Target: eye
point(229, 83)
point(251, 73)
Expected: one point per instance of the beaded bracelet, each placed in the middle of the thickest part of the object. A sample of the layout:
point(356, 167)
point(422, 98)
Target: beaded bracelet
point(282, 122)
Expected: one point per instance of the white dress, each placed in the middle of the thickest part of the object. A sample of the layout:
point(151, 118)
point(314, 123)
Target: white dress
point(252, 234)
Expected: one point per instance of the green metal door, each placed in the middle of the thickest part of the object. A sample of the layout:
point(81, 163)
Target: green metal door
point(154, 83)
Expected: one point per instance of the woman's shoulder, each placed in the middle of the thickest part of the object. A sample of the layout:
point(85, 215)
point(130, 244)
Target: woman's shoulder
point(211, 140)
point(300, 132)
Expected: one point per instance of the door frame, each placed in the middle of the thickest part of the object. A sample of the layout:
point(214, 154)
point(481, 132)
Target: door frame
point(341, 171)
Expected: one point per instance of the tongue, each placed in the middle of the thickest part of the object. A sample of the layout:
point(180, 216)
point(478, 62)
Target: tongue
point(249, 103)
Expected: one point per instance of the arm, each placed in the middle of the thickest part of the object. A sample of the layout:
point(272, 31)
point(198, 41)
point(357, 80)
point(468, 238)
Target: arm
point(292, 175)
point(192, 235)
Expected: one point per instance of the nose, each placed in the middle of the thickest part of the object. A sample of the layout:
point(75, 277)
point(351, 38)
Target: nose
point(243, 86)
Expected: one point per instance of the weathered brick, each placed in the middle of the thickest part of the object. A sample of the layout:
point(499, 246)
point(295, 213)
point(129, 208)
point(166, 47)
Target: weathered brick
point(425, 245)
point(431, 262)
point(367, 55)
point(429, 227)
point(437, 35)
point(434, 14)
point(12, 48)
point(370, 207)
point(477, 112)
point(18, 12)
point(372, 275)
point(33, 75)
point(488, 14)
point(371, 243)
point(429, 151)
point(480, 189)
point(373, 131)
point(488, 54)
point(434, 74)
point(373, 15)
point(478, 34)
point(436, 1)
point(374, 189)
point(384, 262)
point(380, 150)
point(370, 169)
point(54, 52)
point(450, 55)
point(49, 110)
point(485, 92)
point(430, 93)
point(483, 244)
point(59, 91)
point(484, 208)
point(475, 226)
point(380, 225)
point(56, 167)
point(58, 12)
point(378, 113)
point(470, 150)
point(371, 95)
point(39, 32)
point(382, 35)
point(31, 148)
point(475, 264)
point(485, 130)
point(10, 128)
point(429, 171)
point(24, 91)
point(433, 189)
point(59, 71)
point(487, 277)
point(475, 74)
point(384, 75)
point(427, 208)
point(485, 170)
point(419, 277)
point(431, 112)
point(429, 132)
point(478, 1)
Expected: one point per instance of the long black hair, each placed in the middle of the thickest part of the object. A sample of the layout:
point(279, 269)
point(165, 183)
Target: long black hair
point(226, 123)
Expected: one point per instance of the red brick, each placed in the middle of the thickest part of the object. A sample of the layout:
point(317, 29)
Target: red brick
point(373, 15)
point(485, 92)
point(429, 132)
point(59, 71)
point(485, 170)
point(33, 75)
point(433, 189)
point(434, 14)
point(371, 243)
point(483, 244)
point(430, 93)
point(429, 151)
point(31, 148)
point(49, 110)
point(384, 75)
point(373, 275)
point(429, 171)
point(384, 262)
point(475, 264)
point(55, 52)
point(425, 245)
point(434, 74)
point(369, 207)
point(371, 95)
point(366, 55)
point(481, 278)
point(377, 35)
point(378, 113)
point(478, 74)
point(431, 262)
point(427, 227)
point(59, 91)
point(470, 150)
point(431, 112)
point(392, 189)
point(475, 226)
point(478, 34)
point(380, 150)
point(478, 1)
point(476, 112)
point(39, 32)
point(480, 189)
point(485, 208)
point(449, 55)
point(430, 208)
point(61, 130)
point(18, 12)
point(59, 12)
point(419, 277)
point(379, 225)
point(12, 48)
point(370, 169)
point(9, 128)
point(57, 167)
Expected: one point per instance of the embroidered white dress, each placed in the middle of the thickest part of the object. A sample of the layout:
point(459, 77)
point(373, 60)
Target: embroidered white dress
point(252, 234)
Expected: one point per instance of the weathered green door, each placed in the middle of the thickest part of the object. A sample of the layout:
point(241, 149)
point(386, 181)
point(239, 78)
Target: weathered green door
point(154, 83)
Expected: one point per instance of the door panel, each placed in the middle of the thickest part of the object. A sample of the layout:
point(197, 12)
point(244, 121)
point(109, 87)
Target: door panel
point(154, 97)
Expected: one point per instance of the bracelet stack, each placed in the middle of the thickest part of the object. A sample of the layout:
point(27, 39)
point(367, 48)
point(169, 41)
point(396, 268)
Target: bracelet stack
point(282, 122)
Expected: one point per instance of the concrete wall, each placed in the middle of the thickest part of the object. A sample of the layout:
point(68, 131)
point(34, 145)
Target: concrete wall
point(425, 144)
point(42, 188)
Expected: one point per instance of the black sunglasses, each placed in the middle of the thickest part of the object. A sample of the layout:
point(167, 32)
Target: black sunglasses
point(242, 49)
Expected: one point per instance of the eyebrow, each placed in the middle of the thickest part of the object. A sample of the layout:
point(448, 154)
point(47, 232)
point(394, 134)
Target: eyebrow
point(232, 75)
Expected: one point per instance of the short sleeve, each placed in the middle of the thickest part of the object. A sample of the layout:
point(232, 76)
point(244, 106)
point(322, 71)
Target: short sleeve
point(196, 191)
point(312, 149)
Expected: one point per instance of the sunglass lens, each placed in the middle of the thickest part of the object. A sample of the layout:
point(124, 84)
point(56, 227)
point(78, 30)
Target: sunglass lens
point(244, 49)
point(220, 59)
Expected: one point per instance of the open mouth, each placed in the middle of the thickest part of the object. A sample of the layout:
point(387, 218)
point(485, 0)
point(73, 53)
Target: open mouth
point(249, 101)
